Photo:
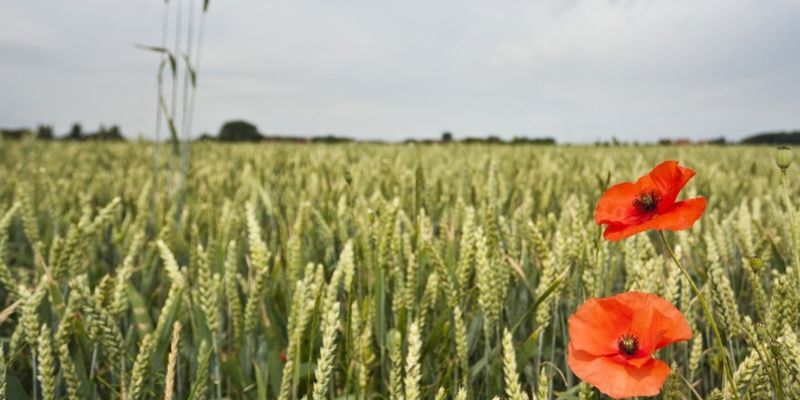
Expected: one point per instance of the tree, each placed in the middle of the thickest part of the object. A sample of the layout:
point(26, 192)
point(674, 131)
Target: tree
point(76, 132)
point(114, 133)
point(206, 137)
point(101, 133)
point(447, 137)
point(535, 140)
point(494, 139)
point(239, 131)
point(44, 132)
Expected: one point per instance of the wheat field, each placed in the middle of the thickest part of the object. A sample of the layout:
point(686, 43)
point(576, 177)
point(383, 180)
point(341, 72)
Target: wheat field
point(362, 271)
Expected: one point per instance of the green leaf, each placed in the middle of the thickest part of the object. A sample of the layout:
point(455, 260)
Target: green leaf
point(156, 49)
point(530, 346)
point(419, 188)
point(262, 377)
point(192, 73)
point(14, 388)
point(139, 308)
point(550, 289)
point(476, 369)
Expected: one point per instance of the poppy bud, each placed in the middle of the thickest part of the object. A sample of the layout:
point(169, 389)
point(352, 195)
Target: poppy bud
point(783, 157)
point(756, 263)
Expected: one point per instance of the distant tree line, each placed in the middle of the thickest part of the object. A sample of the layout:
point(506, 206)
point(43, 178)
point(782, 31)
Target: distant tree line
point(447, 137)
point(45, 132)
point(768, 138)
point(790, 137)
point(243, 131)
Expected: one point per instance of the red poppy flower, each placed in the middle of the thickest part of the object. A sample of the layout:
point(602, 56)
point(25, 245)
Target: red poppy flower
point(612, 341)
point(629, 208)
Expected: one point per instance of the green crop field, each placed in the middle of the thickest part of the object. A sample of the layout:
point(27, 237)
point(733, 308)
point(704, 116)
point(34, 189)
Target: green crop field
point(360, 271)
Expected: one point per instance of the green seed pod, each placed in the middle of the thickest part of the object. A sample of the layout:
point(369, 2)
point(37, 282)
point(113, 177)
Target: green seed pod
point(756, 263)
point(783, 157)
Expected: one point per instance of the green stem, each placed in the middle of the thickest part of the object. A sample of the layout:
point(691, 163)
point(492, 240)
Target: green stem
point(597, 246)
point(790, 210)
point(217, 376)
point(35, 373)
point(486, 351)
point(706, 309)
point(772, 374)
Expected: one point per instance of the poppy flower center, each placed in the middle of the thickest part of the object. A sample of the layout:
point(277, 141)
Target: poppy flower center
point(647, 202)
point(628, 344)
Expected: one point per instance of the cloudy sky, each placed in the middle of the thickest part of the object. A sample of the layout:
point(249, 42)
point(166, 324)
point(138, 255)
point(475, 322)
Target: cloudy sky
point(576, 70)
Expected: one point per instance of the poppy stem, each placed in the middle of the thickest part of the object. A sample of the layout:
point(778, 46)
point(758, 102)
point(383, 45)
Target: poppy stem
point(706, 309)
point(487, 351)
point(793, 227)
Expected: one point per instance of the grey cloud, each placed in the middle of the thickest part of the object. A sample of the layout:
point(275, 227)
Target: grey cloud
point(577, 70)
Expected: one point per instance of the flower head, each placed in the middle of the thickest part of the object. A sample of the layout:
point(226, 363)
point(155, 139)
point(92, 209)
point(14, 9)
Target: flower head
point(783, 158)
point(649, 203)
point(612, 341)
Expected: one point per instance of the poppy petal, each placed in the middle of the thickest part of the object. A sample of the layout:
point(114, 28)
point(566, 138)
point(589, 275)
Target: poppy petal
point(619, 232)
point(669, 329)
point(615, 379)
point(656, 321)
point(667, 179)
point(616, 205)
point(682, 215)
point(597, 325)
